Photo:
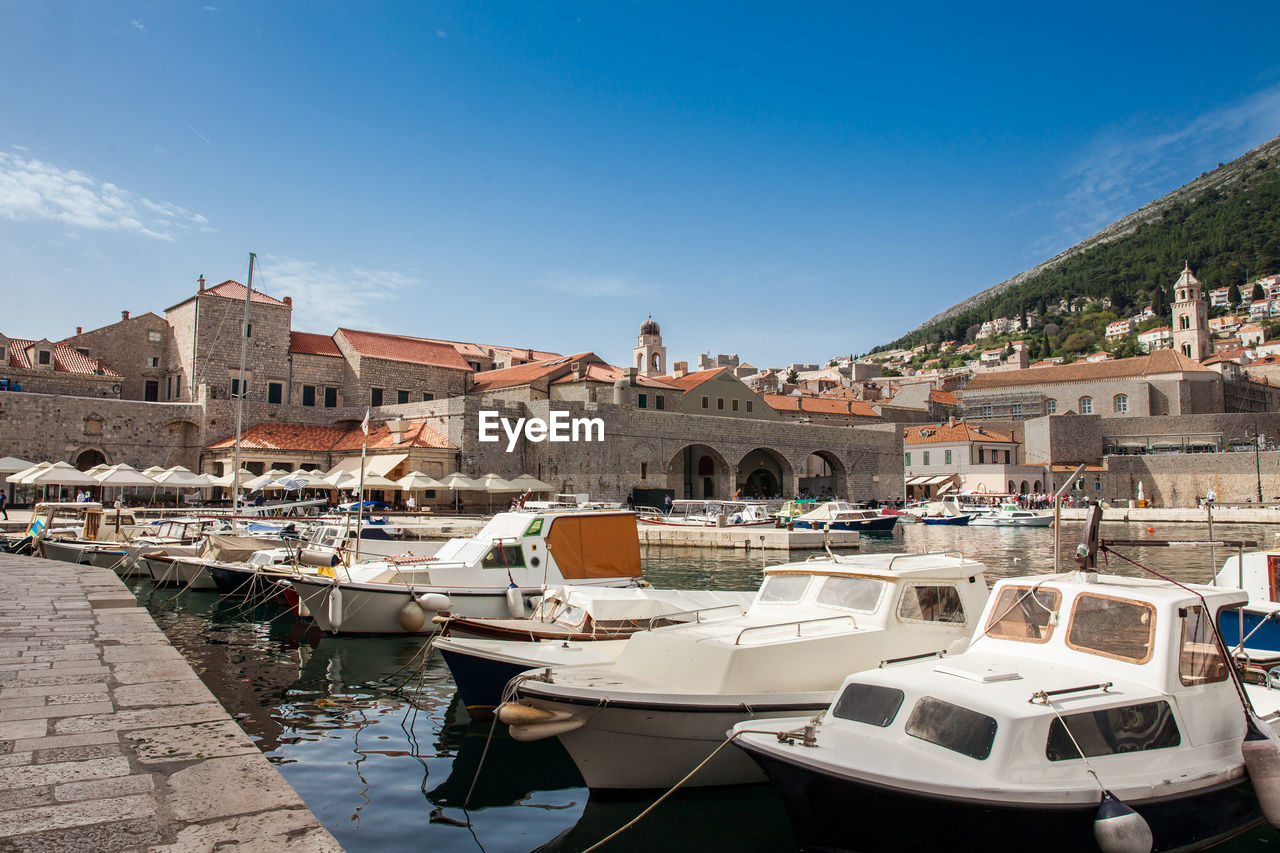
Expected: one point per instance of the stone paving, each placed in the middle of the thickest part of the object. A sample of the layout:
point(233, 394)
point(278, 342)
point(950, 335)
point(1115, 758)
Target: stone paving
point(108, 739)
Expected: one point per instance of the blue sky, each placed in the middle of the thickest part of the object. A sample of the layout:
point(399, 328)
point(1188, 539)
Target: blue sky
point(785, 181)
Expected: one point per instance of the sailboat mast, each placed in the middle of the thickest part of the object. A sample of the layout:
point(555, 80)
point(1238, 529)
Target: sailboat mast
point(244, 353)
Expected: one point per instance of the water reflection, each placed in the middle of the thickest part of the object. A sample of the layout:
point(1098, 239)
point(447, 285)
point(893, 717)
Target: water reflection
point(370, 733)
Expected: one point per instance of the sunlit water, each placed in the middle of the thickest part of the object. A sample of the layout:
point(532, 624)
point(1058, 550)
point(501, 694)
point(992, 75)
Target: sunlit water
point(381, 751)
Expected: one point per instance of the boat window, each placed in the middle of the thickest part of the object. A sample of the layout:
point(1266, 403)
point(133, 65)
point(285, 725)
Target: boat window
point(1023, 613)
point(534, 528)
point(1115, 628)
point(1129, 728)
point(861, 594)
point(506, 557)
point(952, 727)
point(926, 602)
point(868, 703)
point(1200, 661)
point(784, 589)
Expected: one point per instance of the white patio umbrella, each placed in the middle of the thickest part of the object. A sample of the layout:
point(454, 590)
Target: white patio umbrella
point(528, 482)
point(262, 481)
point(61, 474)
point(183, 478)
point(297, 480)
point(226, 481)
point(12, 465)
point(417, 481)
point(493, 483)
point(21, 477)
point(153, 471)
point(459, 482)
point(122, 475)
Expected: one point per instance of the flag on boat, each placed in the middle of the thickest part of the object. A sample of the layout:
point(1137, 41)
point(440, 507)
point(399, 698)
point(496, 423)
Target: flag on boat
point(364, 425)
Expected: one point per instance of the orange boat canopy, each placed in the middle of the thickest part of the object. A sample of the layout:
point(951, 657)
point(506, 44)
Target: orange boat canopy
point(595, 546)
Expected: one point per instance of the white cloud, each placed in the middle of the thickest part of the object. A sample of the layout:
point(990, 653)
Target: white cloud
point(587, 286)
point(24, 149)
point(1124, 170)
point(324, 299)
point(137, 25)
point(34, 190)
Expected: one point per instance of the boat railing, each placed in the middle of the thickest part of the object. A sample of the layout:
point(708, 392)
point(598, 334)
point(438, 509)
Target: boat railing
point(695, 616)
point(798, 624)
point(648, 511)
point(897, 557)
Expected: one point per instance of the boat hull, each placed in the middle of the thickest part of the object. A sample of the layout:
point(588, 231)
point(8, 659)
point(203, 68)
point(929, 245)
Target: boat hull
point(1041, 521)
point(832, 813)
point(646, 746)
point(67, 552)
point(241, 581)
point(955, 520)
point(192, 574)
point(369, 610)
point(883, 524)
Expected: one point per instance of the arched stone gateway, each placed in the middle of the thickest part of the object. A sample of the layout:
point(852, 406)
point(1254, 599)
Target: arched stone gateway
point(763, 473)
point(698, 471)
point(89, 457)
point(822, 475)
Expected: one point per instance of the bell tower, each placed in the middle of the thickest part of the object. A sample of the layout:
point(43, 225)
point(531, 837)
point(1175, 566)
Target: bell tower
point(650, 355)
point(1190, 317)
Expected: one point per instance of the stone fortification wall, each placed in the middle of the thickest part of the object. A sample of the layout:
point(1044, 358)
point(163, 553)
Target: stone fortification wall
point(1181, 479)
point(48, 382)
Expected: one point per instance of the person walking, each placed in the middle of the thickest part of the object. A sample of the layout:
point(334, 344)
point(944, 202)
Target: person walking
point(4, 504)
point(666, 504)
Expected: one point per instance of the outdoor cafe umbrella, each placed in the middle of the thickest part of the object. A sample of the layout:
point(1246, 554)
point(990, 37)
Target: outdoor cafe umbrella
point(493, 483)
point(180, 478)
point(60, 474)
point(416, 481)
point(12, 465)
point(121, 475)
point(296, 481)
point(263, 481)
point(22, 477)
point(530, 483)
point(459, 482)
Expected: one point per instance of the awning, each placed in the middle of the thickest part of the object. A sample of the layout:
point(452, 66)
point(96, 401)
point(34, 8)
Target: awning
point(915, 481)
point(379, 464)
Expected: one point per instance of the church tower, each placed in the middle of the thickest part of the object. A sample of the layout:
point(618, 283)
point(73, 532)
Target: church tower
point(650, 354)
point(1190, 317)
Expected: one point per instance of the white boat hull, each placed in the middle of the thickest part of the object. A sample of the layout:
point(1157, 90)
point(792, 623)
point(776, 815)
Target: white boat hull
point(1041, 521)
point(368, 609)
point(649, 747)
point(191, 575)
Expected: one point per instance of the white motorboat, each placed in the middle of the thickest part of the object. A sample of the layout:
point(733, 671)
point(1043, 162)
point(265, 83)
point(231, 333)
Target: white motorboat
point(1075, 684)
point(711, 513)
point(841, 515)
point(664, 706)
point(494, 573)
point(1011, 515)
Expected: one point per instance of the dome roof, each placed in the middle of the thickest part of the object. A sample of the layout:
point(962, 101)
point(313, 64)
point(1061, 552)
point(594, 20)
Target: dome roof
point(649, 327)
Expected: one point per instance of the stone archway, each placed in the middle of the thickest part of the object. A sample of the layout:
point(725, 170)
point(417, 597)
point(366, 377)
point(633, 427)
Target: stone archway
point(823, 474)
point(763, 473)
point(89, 457)
point(698, 472)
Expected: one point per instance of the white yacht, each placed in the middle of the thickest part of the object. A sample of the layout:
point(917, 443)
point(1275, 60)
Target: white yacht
point(1076, 684)
point(1011, 515)
point(663, 707)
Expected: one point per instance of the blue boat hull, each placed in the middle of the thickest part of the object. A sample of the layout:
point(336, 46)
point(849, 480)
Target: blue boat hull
point(945, 519)
point(480, 681)
point(883, 524)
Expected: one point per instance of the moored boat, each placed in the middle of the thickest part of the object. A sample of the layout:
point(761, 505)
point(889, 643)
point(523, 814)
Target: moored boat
point(1011, 515)
point(840, 515)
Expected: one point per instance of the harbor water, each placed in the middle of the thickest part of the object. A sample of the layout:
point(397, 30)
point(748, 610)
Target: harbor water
point(370, 733)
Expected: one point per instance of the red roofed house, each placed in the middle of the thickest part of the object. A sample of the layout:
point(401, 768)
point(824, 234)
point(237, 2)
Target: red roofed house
point(45, 367)
point(384, 369)
point(958, 456)
point(822, 410)
point(136, 348)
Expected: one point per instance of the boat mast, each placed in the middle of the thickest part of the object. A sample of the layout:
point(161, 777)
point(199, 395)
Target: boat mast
point(244, 352)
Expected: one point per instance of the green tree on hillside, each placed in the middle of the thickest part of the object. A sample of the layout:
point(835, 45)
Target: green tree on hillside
point(1256, 293)
point(1233, 294)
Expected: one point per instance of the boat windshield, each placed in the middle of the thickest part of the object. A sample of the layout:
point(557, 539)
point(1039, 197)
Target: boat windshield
point(1023, 613)
point(1116, 628)
point(784, 589)
point(931, 602)
point(860, 594)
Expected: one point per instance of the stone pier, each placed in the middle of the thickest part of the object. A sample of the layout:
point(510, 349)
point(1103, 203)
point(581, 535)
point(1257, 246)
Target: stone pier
point(108, 739)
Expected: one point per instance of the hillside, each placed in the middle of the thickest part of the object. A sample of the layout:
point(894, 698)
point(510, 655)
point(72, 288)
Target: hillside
point(1226, 223)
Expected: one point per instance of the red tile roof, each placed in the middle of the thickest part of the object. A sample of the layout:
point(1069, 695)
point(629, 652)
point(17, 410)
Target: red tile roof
point(1157, 363)
point(65, 359)
point(304, 437)
point(818, 405)
point(306, 343)
point(690, 381)
point(945, 398)
point(523, 374)
point(944, 434)
point(402, 348)
point(235, 290)
point(608, 373)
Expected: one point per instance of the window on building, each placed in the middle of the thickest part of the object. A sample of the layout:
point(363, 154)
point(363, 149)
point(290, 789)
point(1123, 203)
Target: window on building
point(908, 458)
point(402, 396)
point(331, 398)
point(986, 411)
point(155, 337)
point(3, 353)
point(642, 401)
point(177, 385)
point(982, 456)
point(706, 402)
point(1186, 350)
point(44, 356)
point(720, 403)
point(749, 405)
point(1121, 404)
point(236, 388)
point(946, 457)
point(926, 458)
point(308, 395)
point(427, 397)
point(1006, 457)
point(151, 390)
point(644, 470)
point(275, 392)
point(661, 402)
point(1184, 322)
point(248, 330)
point(154, 361)
point(1050, 407)
point(168, 388)
point(1016, 410)
point(735, 405)
point(84, 351)
point(375, 396)
point(1086, 405)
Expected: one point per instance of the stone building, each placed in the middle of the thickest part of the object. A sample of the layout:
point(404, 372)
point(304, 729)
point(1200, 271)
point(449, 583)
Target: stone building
point(650, 354)
point(959, 456)
point(137, 348)
point(45, 367)
point(1190, 317)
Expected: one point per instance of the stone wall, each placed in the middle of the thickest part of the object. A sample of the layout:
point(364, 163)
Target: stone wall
point(1181, 479)
point(50, 382)
point(127, 348)
point(217, 326)
point(317, 371)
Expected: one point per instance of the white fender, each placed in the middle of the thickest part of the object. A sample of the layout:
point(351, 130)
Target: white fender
point(434, 601)
point(412, 617)
point(335, 608)
point(1119, 829)
point(541, 731)
point(1262, 760)
point(515, 602)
